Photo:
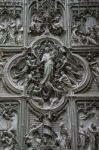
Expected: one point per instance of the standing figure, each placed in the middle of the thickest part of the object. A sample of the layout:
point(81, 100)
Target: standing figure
point(82, 137)
point(92, 131)
point(19, 34)
point(2, 34)
point(90, 21)
point(65, 139)
point(11, 31)
point(48, 66)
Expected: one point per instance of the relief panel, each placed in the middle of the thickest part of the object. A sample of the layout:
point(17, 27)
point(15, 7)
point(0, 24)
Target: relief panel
point(9, 126)
point(46, 67)
point(85, 25)
point(86, 2)
point(47, 76)
point(48, 130)
point(11, 24)
point(93, 61)
point(88, 125)
point(46, 18)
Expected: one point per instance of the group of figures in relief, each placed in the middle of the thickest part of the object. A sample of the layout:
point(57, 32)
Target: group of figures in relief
point(89, 128)
point(89, 138)
point(46, 72)
point(85, 30)
point(94, 67)
point(11, 29)
point(8, 140)
point(46, 17)
point(39, 26)
point(42, 136)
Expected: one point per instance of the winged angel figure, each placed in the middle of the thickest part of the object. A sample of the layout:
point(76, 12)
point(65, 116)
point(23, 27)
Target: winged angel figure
point(47, 70)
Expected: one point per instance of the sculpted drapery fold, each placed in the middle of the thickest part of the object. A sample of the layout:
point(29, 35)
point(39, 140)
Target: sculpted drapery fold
point(49, 75)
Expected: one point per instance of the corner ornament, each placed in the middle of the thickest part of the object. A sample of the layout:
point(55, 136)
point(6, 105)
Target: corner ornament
point(46, 68)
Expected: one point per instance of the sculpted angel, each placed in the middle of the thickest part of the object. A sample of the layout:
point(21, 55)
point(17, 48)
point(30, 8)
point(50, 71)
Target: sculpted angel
point(70, 70)
point(36, 25)
point(57, 25)
point(24, 66)
point(66, 83)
